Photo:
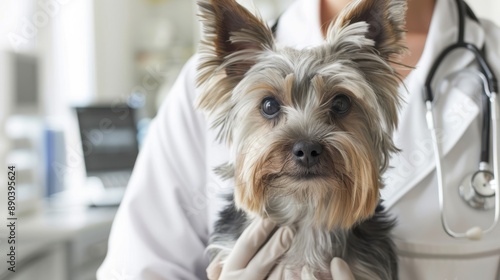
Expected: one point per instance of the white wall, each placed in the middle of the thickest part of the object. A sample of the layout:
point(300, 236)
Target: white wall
point(113, 48)
point(122, 36)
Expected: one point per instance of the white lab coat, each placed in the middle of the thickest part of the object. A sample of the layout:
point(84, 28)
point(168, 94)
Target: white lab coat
point(164, 221)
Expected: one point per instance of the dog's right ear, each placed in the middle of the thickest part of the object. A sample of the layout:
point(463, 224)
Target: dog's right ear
point(232, 39)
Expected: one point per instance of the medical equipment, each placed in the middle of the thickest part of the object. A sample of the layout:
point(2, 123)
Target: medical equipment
point(480, 190)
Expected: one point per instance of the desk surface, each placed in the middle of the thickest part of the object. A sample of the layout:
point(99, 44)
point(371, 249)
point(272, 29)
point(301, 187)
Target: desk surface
point(63, 223)
point(50, 227)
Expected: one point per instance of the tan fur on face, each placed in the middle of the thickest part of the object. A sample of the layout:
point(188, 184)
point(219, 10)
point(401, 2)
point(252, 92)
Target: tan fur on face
point(357, 198)
point(345, 190)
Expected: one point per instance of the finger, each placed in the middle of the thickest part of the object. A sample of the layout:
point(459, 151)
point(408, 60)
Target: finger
point(214, 268)
point(248, 244)
point(262, 263)
point(340, 270)
point(306, 274)
point(278, 272)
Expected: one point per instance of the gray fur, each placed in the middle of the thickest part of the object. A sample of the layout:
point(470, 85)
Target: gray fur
point(367, 247)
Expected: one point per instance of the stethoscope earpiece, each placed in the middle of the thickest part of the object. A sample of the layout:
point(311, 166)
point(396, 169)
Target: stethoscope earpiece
point(475, 233)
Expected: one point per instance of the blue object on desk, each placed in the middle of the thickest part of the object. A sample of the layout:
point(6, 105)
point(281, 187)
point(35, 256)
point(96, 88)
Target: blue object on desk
point(55, 161)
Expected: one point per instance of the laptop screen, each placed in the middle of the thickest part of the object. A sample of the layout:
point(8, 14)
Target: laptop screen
point(109, 137)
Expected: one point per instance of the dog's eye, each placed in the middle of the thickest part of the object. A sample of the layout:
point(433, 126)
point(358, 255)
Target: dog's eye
point(270, 107)
point(341, 104)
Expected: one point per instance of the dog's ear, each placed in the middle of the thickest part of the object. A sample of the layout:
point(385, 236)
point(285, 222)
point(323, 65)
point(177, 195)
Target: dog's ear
point(232, 36)
point(386, 23)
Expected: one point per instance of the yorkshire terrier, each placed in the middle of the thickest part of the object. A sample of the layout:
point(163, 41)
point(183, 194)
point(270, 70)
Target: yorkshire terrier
point(309, 131)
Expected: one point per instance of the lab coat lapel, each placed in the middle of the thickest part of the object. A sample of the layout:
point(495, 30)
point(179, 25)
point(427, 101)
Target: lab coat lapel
point(455, 110)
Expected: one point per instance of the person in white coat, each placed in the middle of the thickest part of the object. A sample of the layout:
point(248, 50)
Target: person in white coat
point(163, 224)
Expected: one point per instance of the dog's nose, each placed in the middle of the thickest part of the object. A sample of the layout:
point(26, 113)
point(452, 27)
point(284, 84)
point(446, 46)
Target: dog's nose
point(307, 153)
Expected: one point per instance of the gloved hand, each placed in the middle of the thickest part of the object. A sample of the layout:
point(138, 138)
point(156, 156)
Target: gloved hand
point(338, 268)
point(246, 261)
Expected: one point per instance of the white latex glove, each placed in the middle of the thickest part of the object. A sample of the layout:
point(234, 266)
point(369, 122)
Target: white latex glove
point(246, 261)
point(339, 270)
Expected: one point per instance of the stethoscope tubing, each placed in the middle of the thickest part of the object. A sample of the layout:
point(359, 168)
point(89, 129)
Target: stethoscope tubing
point(491, 112)
point(495, 116)
point(474, 232)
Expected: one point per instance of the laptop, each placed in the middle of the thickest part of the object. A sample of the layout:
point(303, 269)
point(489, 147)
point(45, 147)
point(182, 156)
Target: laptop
point(110, 148)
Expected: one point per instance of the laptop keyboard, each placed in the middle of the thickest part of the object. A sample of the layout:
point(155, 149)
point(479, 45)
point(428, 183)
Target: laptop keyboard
point(118, 179)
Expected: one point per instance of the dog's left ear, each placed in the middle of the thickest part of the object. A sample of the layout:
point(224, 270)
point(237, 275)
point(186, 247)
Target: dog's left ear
point(232, 39)
point(386, 21)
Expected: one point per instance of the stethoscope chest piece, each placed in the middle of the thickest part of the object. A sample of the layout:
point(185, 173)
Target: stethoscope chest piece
point(478, 190)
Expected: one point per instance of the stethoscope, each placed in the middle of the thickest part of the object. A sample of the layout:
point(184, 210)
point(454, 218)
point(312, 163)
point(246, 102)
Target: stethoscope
point(479, 190)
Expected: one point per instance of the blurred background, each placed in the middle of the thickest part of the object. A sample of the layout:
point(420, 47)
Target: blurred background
point(80, 81)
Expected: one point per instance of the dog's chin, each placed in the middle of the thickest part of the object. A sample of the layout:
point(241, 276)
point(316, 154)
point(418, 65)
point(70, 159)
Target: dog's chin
point(313, 199)
point(293, 196)
point(305, 177)
point(290, 183)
